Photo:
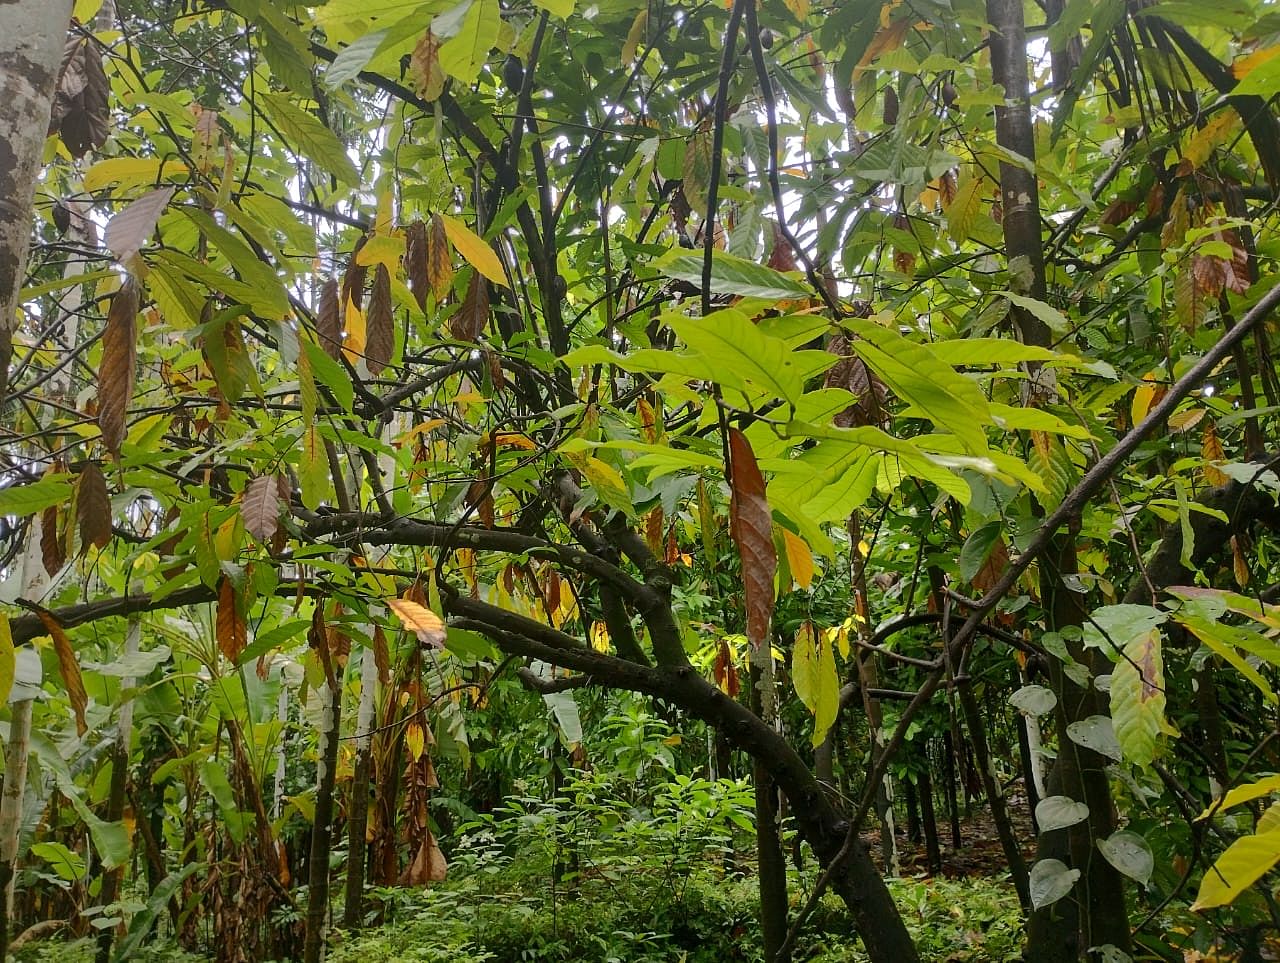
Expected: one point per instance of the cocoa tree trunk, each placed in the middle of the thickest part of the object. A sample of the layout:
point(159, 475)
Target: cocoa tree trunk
point(322, 829)
point(358, 821)
point(30, 52)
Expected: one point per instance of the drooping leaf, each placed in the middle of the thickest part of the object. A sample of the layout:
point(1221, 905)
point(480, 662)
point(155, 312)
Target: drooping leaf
point(1098, 734)
point(1239, 867)
point(380, 330)
point(80, 111)
point(93, 506)
point(260, 508)
point(473, 248)
point(462, 55)
point(329, 319)
point(22, 500)
point(231, 631)
point(751, 527)
point(8, 660)
point(472, 316)
point(118, 368)
point(813, 673)
point(69, 666)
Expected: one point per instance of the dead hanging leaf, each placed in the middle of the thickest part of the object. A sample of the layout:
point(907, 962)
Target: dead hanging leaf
point(672, 554)
point(53, 552)
point(1211, 451)
point(654, 523)
point(1210, 274)
point(424, 65)
point(997, 561)
point(947, 185)
point(81, 113)
point(380, 336)
point(439, 257)
point(318, 641)
point(1239, 561)
point(129, 231)
point(69, 667)
point(229, 625)
point(353, 281)
point(116, 372)
point(421, 621)
point(470, 319)
point(260, 507)
point(381, 655)
point(751, 527)
point(329, 320)
point(782, 257)
point(415, 262)
point(726, 673)
point(428, 866)
point(852, 374)
point(93, 507)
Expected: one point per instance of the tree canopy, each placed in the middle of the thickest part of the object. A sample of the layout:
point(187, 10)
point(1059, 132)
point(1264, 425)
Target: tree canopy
point(381, 378)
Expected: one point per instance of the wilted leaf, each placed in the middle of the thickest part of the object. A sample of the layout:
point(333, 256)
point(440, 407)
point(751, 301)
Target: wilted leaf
point(473, 314)
point(329, 319)
point(80, 104)
point(117, 370)
point(53, 549)
point(260, 507)
point(69, 667)
point(230, 626)
point(421, 621)
point(1212, 452)
point(8, 661)
point(751, 526)
point(93, 506)
point(424, 64)
point(380, 335)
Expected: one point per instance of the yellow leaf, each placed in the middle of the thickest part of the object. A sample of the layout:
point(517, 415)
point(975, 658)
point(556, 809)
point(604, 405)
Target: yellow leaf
point(886, 39)
point(428, 426)
point(800, 8)
point(473, 249)
point(1242, 864)
point(8, 663)
point(1211, 451)
point(384, 249)
point(1143, 396)
point(514, 439)
point(1242, 66)
point(1211, 135)
point(799, 558)
point(634, 36)
point(382, 222)
point(131, 172)
point(599, 637)
point(1186, 419)
point(420, 620)
point(353, 333)
point(415, 741)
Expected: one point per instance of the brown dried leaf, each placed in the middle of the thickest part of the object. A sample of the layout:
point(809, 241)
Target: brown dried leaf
point(1209, 273)
point(229, 625)
point(93, 507)
point(69, 667)
point(318, 641)
point(80, 105)
point(380, 336)
point(852, 374)
point(428, 866)
point(470, 319)
point(415, 262)
point(329, 320)
point(381, 655)
point(1118, 211)
point(782, 257)
point(1239, 562)
point(725, 672)
point(751, 527)
point(439, 257)
point(53, 550)
point(116, 372)
point(353, 281)
point(260, 507)
point(424, 65)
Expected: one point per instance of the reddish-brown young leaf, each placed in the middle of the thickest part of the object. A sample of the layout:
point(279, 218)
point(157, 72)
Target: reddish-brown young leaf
point(260, 507)
point(329, 319)
point(415, 262)
point(229, 625)
point(469, 320)
point(116, 372)
point(726, 673)
point(439, 257)
point(53, 550)
point(318, 640)
point(782, 257)
point(947, 188)
point(381, 655)
point(1118, 211)
point(380, 333)
point(353, 280)
point(93, 506)
point(69, 667)
point(852, 374)
point(751, 526)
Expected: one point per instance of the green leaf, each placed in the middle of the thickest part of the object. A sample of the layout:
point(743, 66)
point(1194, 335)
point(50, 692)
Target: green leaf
point(309, 138)
point(464, 54)
point(733, 275)
point(1221, 639)
point(35, 497)
point(1059, 812)
point(1050, 881)
point(916, 375)
point(331, 374)
point(1242, 864)
point(142, 923)
point(64, 862)
point(977, 549)
point(8, 659)
point(557, 8)
point(1096, 733)
point(1048, 315)
point(110, 839)
point(1129, 854)
point(215, 780)
point(1137, 698)
point(352, 59)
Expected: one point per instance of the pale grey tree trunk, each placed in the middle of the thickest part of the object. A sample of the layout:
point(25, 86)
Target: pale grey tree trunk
point(32, 35)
